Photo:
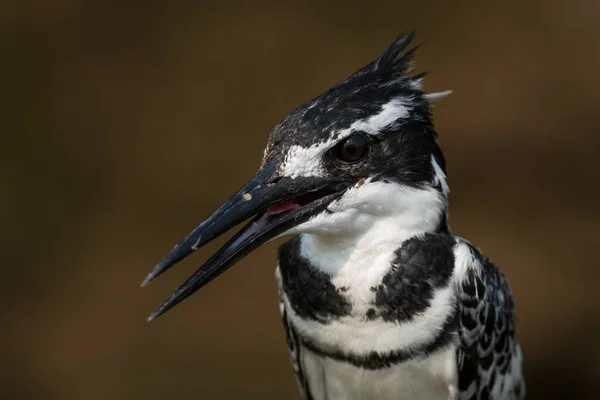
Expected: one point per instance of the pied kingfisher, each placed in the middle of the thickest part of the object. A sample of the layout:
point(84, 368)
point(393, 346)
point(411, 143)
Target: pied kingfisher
point(379, 300)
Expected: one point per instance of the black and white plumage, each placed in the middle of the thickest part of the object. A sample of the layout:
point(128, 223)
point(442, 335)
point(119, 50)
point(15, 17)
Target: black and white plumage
point(471, 339)
point(379, 300)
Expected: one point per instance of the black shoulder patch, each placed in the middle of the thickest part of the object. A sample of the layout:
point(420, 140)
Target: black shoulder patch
point(310, 291)
point(421, 266)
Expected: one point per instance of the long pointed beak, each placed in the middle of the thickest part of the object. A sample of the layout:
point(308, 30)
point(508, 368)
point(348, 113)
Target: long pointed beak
point(277, 205)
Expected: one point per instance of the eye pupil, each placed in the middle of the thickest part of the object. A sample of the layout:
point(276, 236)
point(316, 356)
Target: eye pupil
point(353, 148)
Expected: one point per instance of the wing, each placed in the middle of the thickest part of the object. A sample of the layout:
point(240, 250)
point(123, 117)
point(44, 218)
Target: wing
point(489, 357)
point(293, 346)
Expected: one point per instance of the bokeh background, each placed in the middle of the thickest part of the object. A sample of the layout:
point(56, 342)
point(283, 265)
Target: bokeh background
point(124, 123)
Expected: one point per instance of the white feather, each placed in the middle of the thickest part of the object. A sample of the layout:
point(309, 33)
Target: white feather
point(439, 177)
point(431, 378)
point(465, 260)
point(437, 95)
point(373, 212)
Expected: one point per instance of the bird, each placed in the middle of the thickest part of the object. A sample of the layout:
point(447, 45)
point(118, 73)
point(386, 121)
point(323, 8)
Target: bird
point(379, 300)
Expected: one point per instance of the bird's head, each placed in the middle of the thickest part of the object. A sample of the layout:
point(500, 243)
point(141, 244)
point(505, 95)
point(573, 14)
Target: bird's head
point(363, 150)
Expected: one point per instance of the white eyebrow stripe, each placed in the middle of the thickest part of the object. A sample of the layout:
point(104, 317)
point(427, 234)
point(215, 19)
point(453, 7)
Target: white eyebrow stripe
point(307, 161)
point(390, 113)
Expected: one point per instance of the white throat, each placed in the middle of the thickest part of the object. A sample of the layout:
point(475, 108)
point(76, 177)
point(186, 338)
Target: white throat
point(355, 241)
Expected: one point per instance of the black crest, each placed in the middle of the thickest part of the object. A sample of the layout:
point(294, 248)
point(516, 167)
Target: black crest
point(360, 95)
point(395, 60)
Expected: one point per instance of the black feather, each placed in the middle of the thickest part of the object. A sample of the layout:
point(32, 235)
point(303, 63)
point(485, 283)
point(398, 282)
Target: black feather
point(390, 58)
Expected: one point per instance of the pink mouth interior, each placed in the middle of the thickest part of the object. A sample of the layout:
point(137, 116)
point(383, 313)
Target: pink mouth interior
point(282, 208)
point(295, 203)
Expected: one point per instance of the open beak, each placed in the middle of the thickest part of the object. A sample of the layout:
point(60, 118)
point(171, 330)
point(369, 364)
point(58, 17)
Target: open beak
point(277, 205)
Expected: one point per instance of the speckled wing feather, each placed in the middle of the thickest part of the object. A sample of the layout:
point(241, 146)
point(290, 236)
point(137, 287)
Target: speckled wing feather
point(489, 358)
point(294, 350)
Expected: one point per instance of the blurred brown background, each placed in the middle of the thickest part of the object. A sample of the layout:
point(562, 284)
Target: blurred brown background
point(125, 123)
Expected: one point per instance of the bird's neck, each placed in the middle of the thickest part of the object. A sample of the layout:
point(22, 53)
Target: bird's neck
point(363, 257)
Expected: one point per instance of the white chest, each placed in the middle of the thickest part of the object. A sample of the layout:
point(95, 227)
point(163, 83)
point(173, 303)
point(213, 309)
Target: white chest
point(431, 378)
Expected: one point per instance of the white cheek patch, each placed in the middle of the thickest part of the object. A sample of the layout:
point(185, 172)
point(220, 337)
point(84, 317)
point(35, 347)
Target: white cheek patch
point(308, 161)
point(398, 211)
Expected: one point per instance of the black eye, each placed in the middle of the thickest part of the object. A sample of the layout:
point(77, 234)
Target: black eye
point(353, 148)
